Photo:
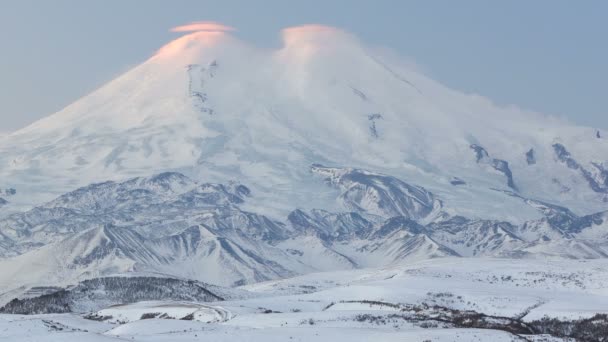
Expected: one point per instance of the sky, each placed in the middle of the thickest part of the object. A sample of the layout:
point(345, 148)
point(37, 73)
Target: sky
point(549, 56)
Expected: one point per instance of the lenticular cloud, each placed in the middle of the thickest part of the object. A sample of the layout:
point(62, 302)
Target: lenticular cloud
point(205, 26)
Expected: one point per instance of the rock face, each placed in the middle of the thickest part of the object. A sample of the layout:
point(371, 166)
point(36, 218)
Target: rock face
point(531, 157)
point(330, 226)
point(502, 166)
point(377, 194)
point(597, 177)
point(170, 224)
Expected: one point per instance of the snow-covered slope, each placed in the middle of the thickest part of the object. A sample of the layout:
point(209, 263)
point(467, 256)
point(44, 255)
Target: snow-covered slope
point(218, 109)
point(465, 299)
point(169, 224)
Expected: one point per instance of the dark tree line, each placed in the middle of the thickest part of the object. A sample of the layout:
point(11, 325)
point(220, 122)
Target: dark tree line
point(110, 291)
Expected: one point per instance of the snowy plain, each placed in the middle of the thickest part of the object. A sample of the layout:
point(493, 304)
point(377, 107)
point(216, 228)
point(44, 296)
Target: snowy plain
point(330, 306)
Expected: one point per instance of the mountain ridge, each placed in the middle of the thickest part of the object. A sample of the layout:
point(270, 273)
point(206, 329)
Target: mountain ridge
point(199, 231)
point(223, 162)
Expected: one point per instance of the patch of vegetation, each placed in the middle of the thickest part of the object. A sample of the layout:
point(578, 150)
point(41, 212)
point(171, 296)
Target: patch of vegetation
point(150, 315)
point(115, 290)
point(593, 329)
point(97, 317)
point(267, 311)
point(189, 317)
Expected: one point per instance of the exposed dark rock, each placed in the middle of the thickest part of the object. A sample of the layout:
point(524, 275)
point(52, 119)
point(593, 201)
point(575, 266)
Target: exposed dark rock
point(587, 221)
point(372, 126)
point(480, 152)
point(457, 181)
point(502, 166)
point(398, 223)
point(330, 226)
point(377, 194)
point(531, 157)
point(564, 156)
point(598, 181)
point(360, 94)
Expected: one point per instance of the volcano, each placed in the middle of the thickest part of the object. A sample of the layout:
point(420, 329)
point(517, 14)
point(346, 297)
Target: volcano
point(274, 161)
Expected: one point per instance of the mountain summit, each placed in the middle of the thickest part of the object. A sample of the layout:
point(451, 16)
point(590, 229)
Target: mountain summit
point(219, 109)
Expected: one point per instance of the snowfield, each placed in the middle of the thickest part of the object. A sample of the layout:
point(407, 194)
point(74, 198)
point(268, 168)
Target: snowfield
point(166, 310)
point(353, 305)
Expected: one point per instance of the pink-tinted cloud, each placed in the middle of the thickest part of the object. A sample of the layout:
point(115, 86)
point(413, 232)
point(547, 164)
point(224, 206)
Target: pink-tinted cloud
point(203, 26)
point(314, 34)
point(308, 31)
point(306, 41)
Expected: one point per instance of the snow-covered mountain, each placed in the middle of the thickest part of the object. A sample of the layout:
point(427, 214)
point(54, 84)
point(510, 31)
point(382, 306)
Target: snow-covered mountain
point(226, 163)
point(219, 109)
point(171, 225)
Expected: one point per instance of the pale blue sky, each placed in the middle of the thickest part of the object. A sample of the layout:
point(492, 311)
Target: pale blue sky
point(546, 55)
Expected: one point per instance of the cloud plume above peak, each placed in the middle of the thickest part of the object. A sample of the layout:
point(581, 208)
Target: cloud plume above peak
point(203, 26)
